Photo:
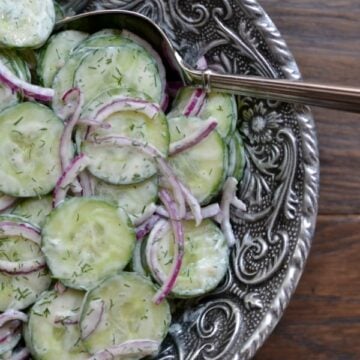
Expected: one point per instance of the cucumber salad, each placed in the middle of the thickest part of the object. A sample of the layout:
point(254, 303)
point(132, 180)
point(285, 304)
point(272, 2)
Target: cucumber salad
point(115, 190)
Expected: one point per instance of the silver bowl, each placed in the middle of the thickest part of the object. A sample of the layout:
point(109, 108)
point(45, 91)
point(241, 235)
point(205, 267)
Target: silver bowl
point(280, 184)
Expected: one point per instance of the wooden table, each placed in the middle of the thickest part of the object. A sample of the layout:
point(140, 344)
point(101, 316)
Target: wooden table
point(323, 319)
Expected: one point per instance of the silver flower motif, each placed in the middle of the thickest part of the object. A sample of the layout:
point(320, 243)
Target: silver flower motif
point(258, 124)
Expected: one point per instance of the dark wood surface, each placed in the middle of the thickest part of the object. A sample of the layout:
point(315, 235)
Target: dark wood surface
point(323, 318)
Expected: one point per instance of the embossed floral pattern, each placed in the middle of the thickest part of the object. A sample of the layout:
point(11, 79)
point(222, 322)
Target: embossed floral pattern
point(258, 124)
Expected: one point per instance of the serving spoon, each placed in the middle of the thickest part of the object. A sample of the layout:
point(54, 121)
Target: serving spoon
point(307, 93)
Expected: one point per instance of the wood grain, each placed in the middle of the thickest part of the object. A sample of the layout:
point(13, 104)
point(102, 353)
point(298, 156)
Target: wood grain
point(323, 319)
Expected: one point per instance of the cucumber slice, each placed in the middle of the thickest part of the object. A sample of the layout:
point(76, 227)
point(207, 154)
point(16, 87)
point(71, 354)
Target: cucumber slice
point(55, 53)
point(205, 261)
point(29, 148)
point(129, 312)
point(219, 106)
point(102, 40)
point(34, 210)
point(85, 240)
point(127, 66)
point(136, 264)
point(26, 23)
point(236, 156)
point(48, 337)
point(64, 80)
point(132, 198)
point(127, 165)
point(19, 291)
point(203, 167)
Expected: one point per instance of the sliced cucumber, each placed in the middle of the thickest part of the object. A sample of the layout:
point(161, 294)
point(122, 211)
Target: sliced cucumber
point(20, 291)
point(219, 106)
point(127, 66)
point(55, 53)
point(34, 210)
point(29, 149)
point(129, 312)
point(132, 198)
point(102, 40)
point(85, 240)
point(127, 165)
point(49, 336)
point(203, 167)
point(64, 80)
point(205, 260)
point(236, 156)
point(136, 264)
point(26, 23)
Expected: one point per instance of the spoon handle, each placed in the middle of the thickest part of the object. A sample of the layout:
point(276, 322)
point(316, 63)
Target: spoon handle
point(329, 96)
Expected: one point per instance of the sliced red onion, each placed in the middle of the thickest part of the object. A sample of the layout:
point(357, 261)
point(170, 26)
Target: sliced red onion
point(125, 104)
point(92, 319)
point(229, 192)
point(207, 212)
point(193, 204)
point(8, 329)
point(91, 122)
point(86, 184)
point(78, 164)
point(178, 230)
point(59, 287)
point(6, 201)
point(195, 138)
point(238, 203)
point(163, 166)
point(146, 227)
point(10, 315)
point(22, 354)
point(130, 348)
point(195, 103)
point(14, 83)
point(160, 228)
point(74, 97)
point(67, 320)
point(201, 64)
point(27, 231)
point(22, 267)
point(147, 213)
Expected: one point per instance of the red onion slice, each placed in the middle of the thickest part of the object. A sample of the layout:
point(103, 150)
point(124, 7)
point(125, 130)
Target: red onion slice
point(10, 315)
point(160, 228)
point(178, 230)
point(195, 103)
point(229, 192)
point(78, 164)
point(16, 84)
point(12, 228)
point(146, 215)
point(92, 319)
point(125, 104)
point(74, 99)
point(86, 184)
point(195, 138)
point(8, 329)
point(138, 348)
point(6, 201)
point(145, 228)
point(207, 212)
point(22, 267)
point(193, 204)
point(59, 287)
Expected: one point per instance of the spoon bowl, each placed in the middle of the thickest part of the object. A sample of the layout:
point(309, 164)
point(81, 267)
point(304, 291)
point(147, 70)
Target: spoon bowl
point(335, 97)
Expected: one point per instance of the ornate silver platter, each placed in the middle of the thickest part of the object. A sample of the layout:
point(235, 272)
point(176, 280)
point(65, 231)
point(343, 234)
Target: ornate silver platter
point(280, 185)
